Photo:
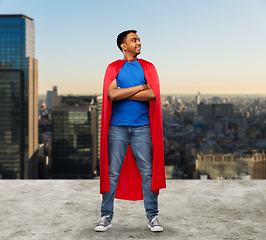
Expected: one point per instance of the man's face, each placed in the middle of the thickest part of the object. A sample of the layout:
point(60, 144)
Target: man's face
point(132, 44)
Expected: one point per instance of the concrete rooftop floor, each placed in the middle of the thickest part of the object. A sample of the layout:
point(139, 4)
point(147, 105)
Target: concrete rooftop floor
point(189, 209)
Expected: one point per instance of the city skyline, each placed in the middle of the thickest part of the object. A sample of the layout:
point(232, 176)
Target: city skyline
point(206, 46)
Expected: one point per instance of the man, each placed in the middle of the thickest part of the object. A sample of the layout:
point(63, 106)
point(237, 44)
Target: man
point(131, 149)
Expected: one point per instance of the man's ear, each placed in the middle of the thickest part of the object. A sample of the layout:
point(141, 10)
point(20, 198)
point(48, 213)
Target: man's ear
point(123, 46)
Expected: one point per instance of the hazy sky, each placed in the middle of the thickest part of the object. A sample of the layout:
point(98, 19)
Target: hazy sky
point(211, 46)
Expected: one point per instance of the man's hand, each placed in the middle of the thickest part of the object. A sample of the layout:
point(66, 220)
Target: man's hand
point(116, 94)
point(144, 87)
point(145, 95)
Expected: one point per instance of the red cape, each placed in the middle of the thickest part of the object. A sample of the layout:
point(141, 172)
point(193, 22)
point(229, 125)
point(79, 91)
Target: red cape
point(129, 185)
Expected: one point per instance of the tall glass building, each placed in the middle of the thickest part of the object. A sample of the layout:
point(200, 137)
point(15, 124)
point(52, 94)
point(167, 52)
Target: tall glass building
point(94, 101)
point(74, 144)
point(18, 98)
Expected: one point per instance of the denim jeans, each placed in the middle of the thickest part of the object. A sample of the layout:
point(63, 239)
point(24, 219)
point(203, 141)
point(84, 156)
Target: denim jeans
point(119, 137)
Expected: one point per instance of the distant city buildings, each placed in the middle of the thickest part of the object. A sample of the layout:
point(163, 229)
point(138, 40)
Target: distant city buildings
point(217, 128)
point(18, 98)
point(48, 133)
point(233, 127)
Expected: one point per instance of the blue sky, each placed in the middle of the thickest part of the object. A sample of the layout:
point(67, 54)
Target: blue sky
point(197, 45)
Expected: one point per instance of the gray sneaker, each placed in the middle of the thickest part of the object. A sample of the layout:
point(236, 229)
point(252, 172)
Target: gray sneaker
point(103, 224)
point(154, 225)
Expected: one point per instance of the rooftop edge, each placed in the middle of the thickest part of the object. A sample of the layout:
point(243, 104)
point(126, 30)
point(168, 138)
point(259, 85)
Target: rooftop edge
point(16, 15)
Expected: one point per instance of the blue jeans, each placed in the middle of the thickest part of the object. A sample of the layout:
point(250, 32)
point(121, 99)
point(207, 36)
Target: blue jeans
point(119, 137)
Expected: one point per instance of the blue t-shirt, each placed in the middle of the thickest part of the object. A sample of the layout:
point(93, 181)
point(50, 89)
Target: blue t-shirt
point(130, 112)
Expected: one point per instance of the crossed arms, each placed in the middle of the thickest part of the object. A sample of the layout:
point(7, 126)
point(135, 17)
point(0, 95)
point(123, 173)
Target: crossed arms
point(137, 93)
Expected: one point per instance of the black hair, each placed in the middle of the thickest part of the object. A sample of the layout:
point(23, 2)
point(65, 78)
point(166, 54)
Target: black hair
point(121, 37)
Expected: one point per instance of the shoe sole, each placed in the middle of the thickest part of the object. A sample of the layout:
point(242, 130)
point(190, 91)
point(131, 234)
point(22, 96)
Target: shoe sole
point(102, 229)
point(155, 229)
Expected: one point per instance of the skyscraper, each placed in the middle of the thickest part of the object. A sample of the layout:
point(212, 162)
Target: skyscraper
point(18, 98)
point(92, 101)
point(74, 147)
point(52, 98)
point(198, 98)
point(55, 96)
point(212, 111)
